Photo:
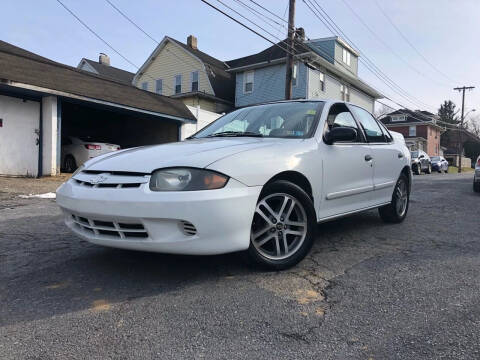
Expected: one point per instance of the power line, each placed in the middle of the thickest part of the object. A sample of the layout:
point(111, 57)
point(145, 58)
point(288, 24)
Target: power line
point(94, 33)
point(260, 14)
point(379, 39)
point(370, 65)
point(270, 12)
point(105, 42)
point(410, 43)
point(323, 16)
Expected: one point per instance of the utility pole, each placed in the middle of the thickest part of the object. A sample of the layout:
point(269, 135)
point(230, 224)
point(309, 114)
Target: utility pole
point(460, 131)
point(291, 36)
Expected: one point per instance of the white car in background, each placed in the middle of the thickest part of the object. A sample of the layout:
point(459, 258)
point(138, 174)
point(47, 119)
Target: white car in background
point(476, 177)
point(258, 179)
point(76, 151)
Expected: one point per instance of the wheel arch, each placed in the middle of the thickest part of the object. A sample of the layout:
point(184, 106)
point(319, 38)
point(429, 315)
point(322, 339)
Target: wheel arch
point(407, 171)
point(296, 178)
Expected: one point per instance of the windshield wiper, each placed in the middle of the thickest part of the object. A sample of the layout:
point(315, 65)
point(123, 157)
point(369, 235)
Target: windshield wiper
point(235, 133)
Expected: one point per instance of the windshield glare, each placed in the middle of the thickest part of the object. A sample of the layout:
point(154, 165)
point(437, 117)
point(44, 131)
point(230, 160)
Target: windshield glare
point(280, 120)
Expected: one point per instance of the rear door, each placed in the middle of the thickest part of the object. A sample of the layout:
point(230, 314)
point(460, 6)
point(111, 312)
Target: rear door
point(387, 157)
point(347, 170)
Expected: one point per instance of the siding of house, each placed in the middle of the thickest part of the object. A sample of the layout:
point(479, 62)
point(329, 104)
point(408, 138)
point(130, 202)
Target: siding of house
point(332, 90)
point(172, 60)
point(353, 68)
point(430, 133)
point(269, 85)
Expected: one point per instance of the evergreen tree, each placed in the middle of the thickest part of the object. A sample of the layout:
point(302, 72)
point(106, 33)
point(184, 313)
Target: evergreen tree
point(447, 112)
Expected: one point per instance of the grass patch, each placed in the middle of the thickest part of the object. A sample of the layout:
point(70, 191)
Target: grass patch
point(454, 169)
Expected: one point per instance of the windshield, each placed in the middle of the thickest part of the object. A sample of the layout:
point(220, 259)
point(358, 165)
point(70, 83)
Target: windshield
point(414, 154)
point(435, 158)
point(280, 120)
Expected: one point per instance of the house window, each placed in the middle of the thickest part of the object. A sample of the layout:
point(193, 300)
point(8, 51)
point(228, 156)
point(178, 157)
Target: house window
point(194, 80)
point(159, 86)
point(397, 118)
point(248, 81)
point(145, 85)
point(412, 131)
point(294, 74)
point(322, 81)
point(346, 56)
point(344, 92)
point(178, 84)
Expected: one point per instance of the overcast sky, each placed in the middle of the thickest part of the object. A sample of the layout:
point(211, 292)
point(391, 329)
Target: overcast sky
point(444, 31)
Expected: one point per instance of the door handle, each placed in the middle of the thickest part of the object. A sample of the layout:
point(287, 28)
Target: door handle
point(400, 155)
point(368, 158)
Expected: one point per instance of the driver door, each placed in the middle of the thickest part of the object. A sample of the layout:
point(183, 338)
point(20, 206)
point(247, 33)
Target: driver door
point(347, 168)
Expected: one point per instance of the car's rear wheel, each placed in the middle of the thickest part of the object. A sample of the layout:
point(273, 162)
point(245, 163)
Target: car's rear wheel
point(70, 164)
point(429, 169)
point(396, 211)
point(283, 227)
point(476, 186)
point(418, 169)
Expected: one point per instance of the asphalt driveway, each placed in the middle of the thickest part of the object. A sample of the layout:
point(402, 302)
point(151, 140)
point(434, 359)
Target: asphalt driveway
point(367, 290)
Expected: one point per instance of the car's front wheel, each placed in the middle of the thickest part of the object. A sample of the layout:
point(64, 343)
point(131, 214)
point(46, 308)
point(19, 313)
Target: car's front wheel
point(429, 169)
point(283, 227)
point(418, 169)
point(396, 211)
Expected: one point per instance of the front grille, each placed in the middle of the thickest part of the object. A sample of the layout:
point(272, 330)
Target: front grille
point(112, 229)
point(113, 186)
point(188, 228)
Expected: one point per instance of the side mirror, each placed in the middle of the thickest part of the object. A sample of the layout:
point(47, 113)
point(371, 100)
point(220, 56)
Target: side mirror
point(340, 134)
point(421, 157)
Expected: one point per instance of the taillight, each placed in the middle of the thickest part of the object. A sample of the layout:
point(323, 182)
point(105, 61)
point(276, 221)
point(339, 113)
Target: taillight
point(478, 162)
point(93, 147)
point(118, 147)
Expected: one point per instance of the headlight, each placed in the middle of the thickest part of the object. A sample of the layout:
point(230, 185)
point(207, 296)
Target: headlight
point(186, 179)
point(80, 168)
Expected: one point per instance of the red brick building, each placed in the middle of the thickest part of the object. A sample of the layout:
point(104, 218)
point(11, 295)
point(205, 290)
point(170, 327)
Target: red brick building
point(419, 128)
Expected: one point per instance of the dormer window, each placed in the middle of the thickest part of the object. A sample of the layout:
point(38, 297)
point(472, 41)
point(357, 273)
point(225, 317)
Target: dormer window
point(397, 118)
point(346, 56)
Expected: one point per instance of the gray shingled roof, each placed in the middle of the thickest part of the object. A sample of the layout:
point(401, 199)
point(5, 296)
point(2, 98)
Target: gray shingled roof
point(111, 72)
point(22, 66)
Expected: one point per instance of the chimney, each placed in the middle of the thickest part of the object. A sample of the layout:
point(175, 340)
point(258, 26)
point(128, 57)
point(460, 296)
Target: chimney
point(192, 42)
point(104, 59)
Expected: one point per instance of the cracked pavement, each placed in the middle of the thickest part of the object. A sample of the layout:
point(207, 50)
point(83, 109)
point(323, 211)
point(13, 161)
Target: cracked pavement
point(366, 290)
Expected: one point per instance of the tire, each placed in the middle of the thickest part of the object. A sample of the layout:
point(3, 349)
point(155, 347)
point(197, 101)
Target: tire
point(281, 204)
point(418, 169)
point(476, 186)
point(429, 169)
point(70, 164)
point(392, 213)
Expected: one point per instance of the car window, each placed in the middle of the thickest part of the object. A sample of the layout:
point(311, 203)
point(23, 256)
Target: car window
point(339, 115)
point(283, 120)
point(372, 130)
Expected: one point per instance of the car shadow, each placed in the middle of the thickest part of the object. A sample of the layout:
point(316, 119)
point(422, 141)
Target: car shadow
point(90, 276)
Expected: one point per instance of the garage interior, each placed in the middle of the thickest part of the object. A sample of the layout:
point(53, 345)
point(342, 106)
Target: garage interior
point(123, 127)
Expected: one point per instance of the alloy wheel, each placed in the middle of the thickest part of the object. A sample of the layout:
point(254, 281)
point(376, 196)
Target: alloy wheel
point(401, 194)
point(279, 226)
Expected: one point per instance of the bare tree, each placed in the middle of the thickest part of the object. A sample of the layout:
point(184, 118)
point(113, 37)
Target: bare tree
point(473, 125)
point(381, 110)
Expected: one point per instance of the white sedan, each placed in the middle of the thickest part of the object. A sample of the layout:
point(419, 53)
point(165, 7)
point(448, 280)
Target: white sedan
point(75, 151)
point(257, 179)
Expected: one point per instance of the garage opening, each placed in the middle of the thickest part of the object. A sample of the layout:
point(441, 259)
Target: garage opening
point(89, 130)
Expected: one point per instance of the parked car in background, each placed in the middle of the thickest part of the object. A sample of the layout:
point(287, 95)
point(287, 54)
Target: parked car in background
point(76, 150)
point(257, 179)
point(476, 176)
point(421, 162)
point(439, 164)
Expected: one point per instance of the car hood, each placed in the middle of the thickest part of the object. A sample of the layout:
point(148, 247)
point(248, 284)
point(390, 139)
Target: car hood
point(191, 153)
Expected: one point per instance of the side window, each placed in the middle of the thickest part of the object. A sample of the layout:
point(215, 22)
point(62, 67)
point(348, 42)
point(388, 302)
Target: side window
point(339, 115)
point(372, 130)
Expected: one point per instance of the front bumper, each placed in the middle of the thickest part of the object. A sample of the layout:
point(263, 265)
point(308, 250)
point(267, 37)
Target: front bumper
point(140, 219)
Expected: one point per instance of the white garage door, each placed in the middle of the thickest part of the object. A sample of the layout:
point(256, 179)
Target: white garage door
point(19, 121)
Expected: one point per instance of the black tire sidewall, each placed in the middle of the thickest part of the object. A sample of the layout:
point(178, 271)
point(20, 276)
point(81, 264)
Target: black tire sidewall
point(283, 186)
